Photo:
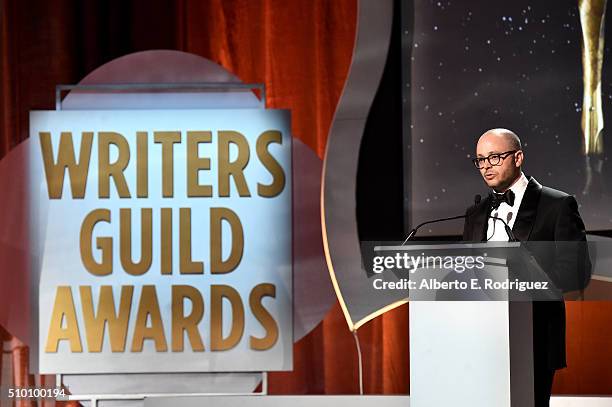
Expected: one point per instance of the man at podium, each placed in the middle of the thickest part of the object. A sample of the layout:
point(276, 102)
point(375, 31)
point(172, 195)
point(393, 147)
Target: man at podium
point(534, 213)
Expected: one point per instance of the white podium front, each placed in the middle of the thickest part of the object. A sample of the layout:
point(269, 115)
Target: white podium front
point(471, 354)
point(474, 353)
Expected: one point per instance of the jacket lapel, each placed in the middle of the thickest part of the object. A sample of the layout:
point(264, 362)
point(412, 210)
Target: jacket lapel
point(527, 211)
point(478, 220)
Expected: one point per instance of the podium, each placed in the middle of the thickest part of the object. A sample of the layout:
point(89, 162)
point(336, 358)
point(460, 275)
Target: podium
point(471, 354)
point(474, 353)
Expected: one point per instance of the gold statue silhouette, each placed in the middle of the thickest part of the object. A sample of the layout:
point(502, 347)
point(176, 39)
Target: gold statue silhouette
point(592, 13)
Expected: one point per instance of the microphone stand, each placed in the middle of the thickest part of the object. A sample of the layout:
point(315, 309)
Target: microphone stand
point(509, 232)
point(413, 231)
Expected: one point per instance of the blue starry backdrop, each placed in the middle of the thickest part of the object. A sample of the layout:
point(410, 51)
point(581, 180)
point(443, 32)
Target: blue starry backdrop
point(477, 65)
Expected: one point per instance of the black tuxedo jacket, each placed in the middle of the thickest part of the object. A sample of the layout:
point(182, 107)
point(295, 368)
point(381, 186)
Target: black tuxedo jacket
point(545, 214)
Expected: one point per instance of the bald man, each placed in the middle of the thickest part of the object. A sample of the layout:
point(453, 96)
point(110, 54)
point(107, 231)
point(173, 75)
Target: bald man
point(534, 213)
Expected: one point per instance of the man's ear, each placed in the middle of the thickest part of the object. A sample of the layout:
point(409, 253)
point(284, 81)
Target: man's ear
point(518, 158)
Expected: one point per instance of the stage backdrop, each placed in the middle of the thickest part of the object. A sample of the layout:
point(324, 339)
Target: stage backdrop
point(302, 51)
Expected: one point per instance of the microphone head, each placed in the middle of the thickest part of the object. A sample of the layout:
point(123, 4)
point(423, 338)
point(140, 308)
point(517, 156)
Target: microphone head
point(477, 199)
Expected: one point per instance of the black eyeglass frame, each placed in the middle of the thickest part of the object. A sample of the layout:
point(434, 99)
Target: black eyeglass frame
point(501, 157)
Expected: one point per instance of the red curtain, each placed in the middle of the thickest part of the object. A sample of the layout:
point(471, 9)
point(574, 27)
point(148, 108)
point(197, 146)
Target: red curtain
point(301, 50)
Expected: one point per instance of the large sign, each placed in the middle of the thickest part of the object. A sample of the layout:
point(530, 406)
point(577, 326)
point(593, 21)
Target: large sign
point(166, 238)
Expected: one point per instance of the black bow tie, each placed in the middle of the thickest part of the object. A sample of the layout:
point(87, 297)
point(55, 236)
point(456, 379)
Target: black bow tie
point(497, 199)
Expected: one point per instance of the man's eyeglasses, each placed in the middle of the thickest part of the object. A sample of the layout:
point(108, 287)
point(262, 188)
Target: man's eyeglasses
point(493, 159)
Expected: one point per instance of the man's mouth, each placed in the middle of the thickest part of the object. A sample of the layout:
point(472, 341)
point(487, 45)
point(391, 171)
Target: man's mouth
point(489, 176)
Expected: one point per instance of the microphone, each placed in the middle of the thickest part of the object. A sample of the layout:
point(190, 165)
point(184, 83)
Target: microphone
point(506, 226)
point(509, 232)
point(477, 200)
point(413, 231)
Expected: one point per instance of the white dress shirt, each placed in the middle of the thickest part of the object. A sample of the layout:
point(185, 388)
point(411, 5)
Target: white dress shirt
point(496, 231)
